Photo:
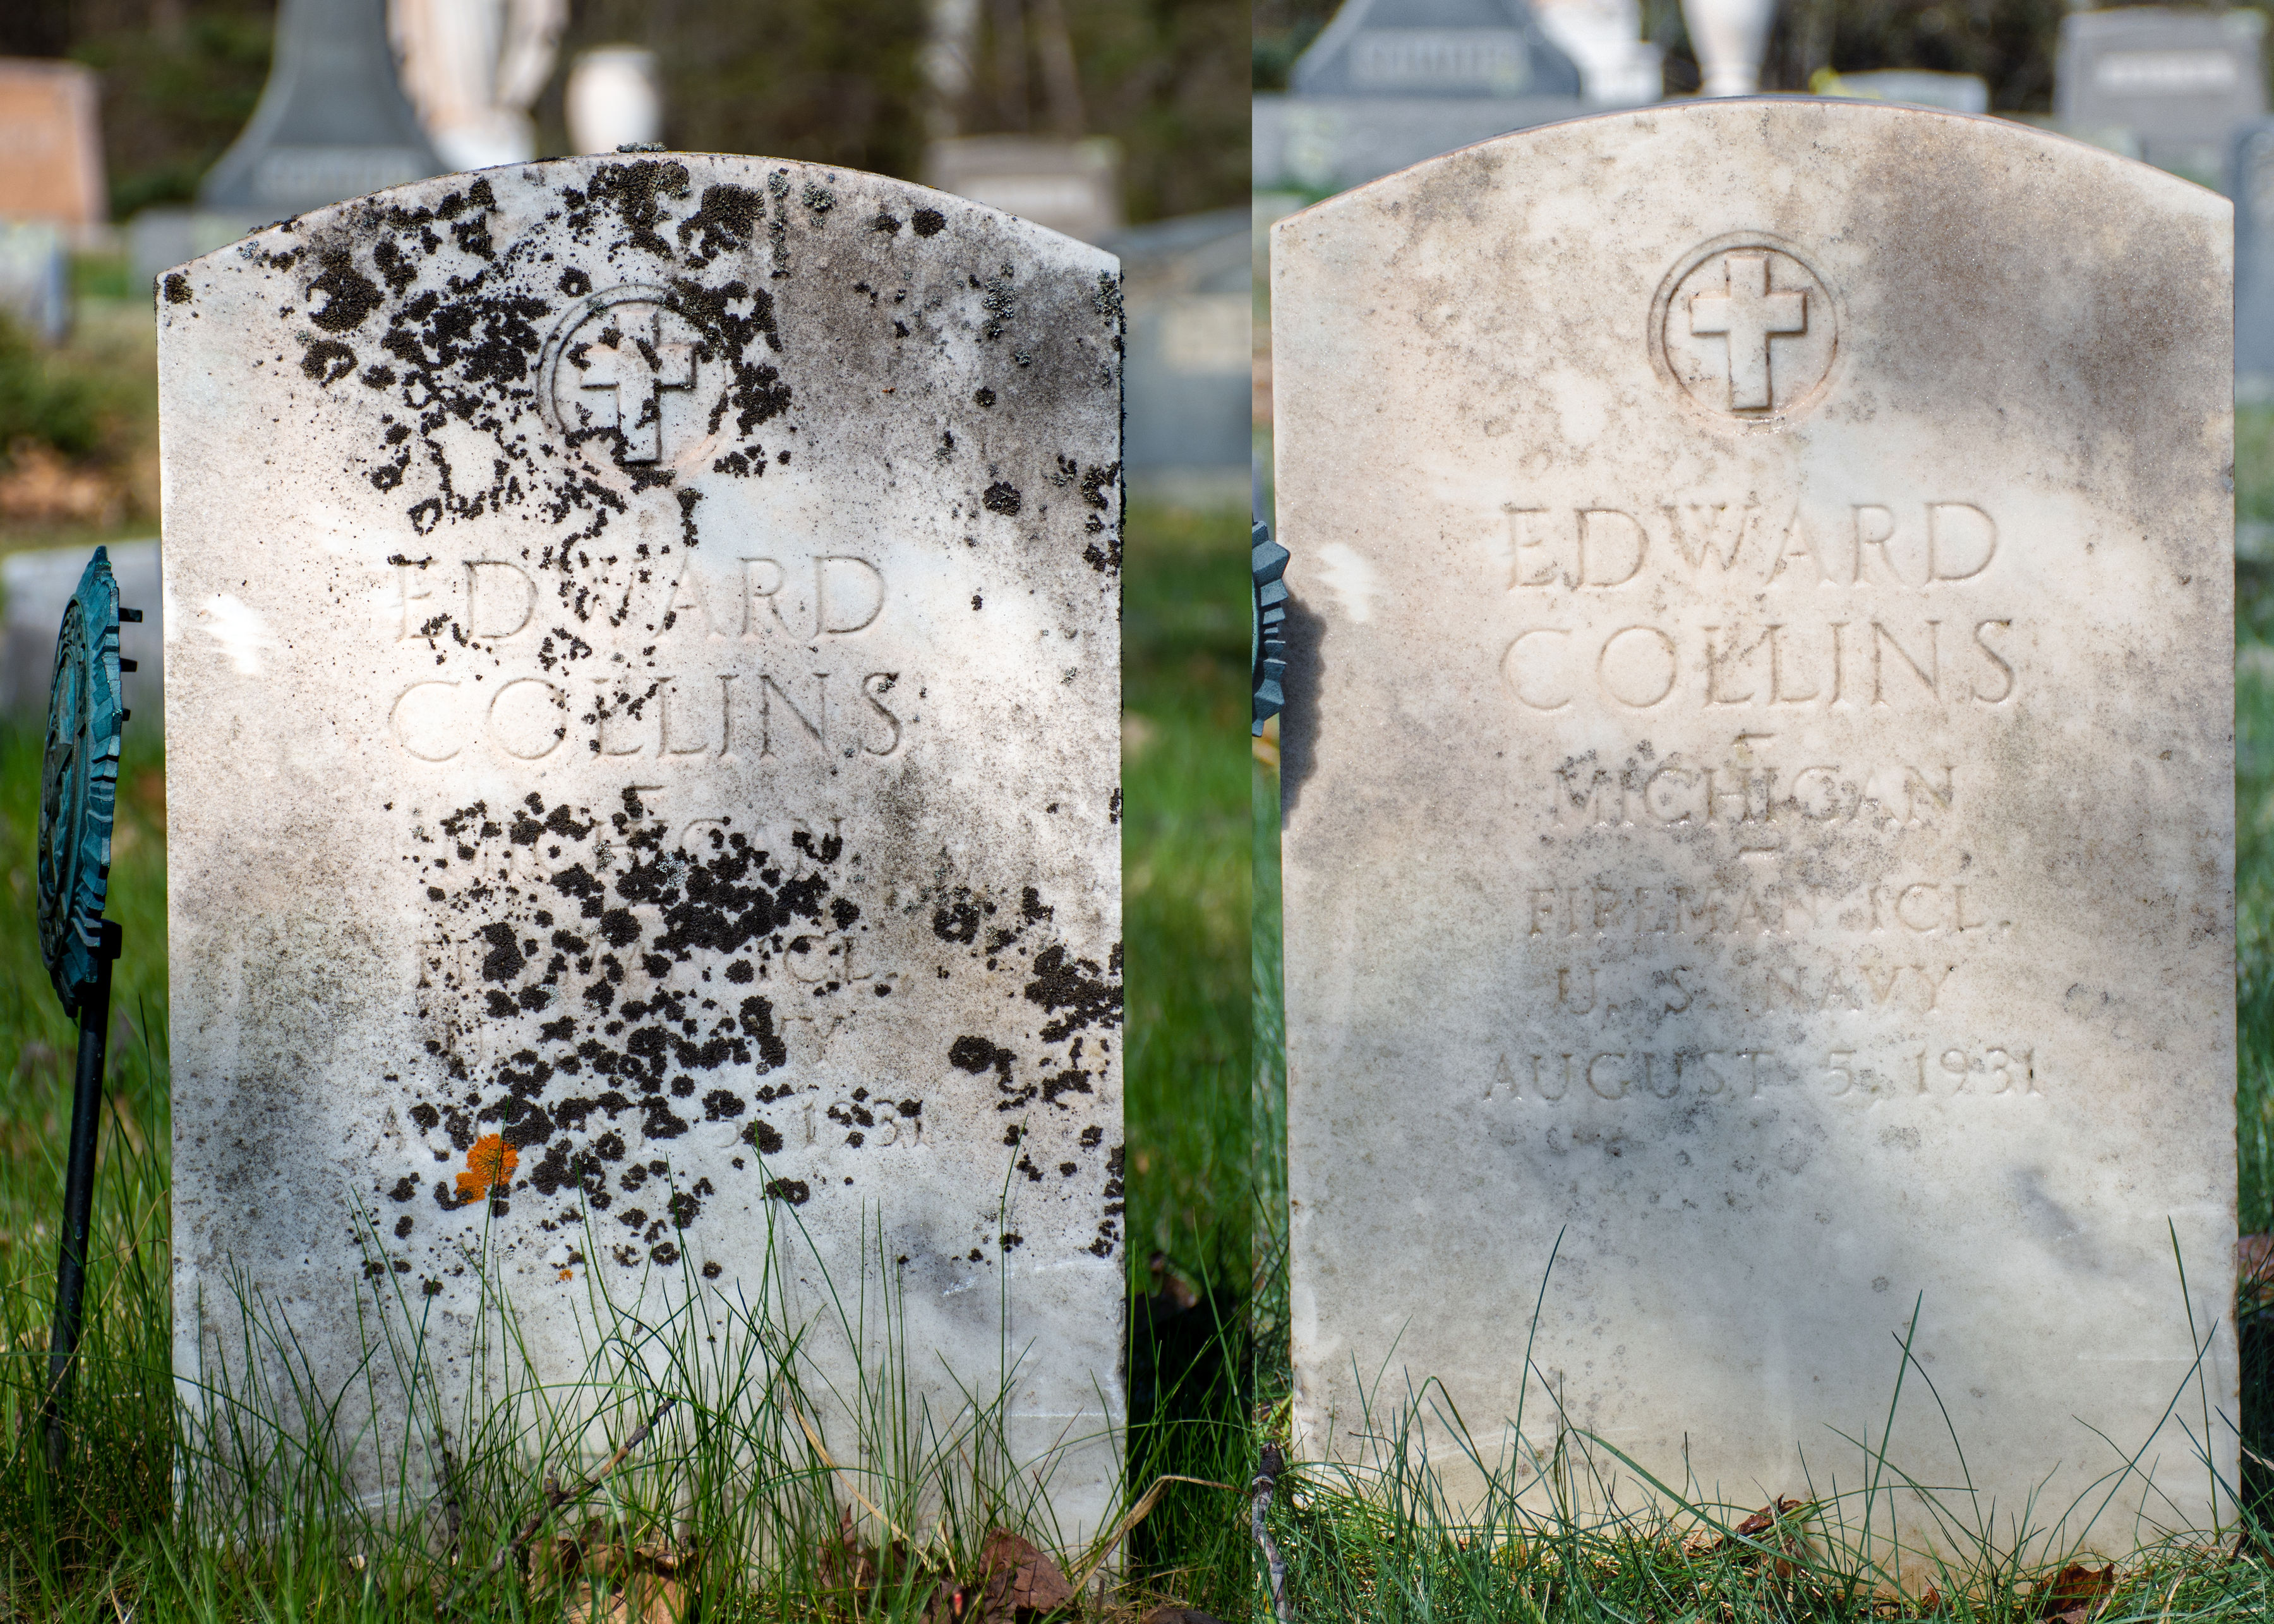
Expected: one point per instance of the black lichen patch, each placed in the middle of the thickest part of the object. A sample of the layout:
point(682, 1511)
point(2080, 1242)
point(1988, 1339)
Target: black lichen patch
point(178, 287)
point(328, 361)
point(1002, 497)
point(727, 219)
point(568, 977)
point(349, 297)
point(1087, 995)
point(637, 191)
point(928, 221)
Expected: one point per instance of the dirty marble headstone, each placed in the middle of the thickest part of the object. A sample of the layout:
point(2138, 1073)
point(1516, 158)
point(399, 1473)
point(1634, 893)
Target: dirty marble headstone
point(642, 702)
point(1758, 807)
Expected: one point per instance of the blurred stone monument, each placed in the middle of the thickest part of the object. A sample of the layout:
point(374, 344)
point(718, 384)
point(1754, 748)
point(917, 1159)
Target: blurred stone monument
point(1729, 38)
point(1391, 82)
point(1072, 186)
point(1953, 92)
point(50, 146)
point(2167, 86)
point(472, 69)
point(332, 123)
point(1618, 67)
point(35, 279)
point(2250, 183)
point(615, 98)
point(1188, 381)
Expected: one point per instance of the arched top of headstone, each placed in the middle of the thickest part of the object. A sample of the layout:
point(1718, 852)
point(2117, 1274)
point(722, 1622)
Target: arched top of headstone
point(1434, 48)
point(1740, 120)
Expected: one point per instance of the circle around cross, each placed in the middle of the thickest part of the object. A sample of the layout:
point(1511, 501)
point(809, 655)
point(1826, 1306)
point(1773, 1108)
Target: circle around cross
point(1746, 329)
point(605, 386)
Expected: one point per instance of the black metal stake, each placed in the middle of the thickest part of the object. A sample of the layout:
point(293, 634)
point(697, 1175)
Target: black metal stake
point(79, 1191)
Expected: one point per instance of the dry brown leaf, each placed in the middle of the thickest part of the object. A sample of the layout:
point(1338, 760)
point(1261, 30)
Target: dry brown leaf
point(1766, 1517)
point(1175, 1612)
point(1016, 1579)
point(1930, 1601)
point(640, 1599)
point(2073, 1595)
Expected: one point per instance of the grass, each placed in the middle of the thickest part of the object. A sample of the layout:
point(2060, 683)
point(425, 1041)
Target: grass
point(729, 1493)
point(1375, 1538)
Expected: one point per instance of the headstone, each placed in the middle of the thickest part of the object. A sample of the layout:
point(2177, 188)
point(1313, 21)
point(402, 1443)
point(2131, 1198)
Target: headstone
point(1390, 82)
point(35, 279)
point(50, 144)
point(472, 69)
point(1191, 305)
point(2250, 183)
point(2177, 83)
point(615, 98)
point(1759, 816)
point(653, 712)
point(332, 124)
point(1069, 186)
point(1953, 92)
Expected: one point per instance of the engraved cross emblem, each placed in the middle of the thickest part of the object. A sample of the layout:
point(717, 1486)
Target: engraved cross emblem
point(636, 369)
point(1748, 315)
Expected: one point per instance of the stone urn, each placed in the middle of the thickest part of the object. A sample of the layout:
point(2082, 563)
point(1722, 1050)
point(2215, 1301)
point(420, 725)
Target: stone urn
point(1729, 37)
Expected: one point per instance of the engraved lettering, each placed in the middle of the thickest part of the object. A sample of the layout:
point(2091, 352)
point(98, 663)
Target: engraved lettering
point(1514, 666)
point(762, 578)
point(419, 718)
point(500, 598)
point(1605, 533)
point(528, 718)
point(1961, 540)
point(1527, 527)
point(1636, 684)
point(848, 594)
point(873, 687)
point(1930, 675)
point(1715, 532)
point(1992, 656)
point(815, 727)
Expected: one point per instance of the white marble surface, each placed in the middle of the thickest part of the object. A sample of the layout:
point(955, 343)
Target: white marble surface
point(643, 681)
point(1758, 803)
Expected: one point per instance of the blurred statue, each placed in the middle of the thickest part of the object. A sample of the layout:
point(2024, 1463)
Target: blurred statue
point(1604, 37)
point(473, 68)
point(1730, 37)
point(615, 98)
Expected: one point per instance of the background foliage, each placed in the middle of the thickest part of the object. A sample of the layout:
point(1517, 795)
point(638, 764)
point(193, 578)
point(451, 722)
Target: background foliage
point(834, 82)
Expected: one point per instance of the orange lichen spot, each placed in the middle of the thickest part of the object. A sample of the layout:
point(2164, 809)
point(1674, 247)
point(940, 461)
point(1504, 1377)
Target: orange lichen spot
point(489, 1166)
point(568, 1274)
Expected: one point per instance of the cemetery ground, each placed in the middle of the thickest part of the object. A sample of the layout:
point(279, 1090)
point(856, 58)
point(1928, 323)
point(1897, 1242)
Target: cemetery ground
point(1380, 1541)
point(106, 1541)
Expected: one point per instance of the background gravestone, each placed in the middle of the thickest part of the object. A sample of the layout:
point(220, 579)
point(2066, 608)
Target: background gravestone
point(1391, 82)
point(50, 144)
point(333, 122)
point(2174, 84)
point(1758, 803)
point(654, 712)
point(2250, 183)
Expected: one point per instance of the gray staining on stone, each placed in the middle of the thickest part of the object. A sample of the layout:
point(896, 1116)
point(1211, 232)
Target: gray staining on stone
point(1758, 807)
point(643, 701)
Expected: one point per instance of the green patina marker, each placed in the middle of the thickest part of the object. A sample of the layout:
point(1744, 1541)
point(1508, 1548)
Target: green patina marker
point(79, 801)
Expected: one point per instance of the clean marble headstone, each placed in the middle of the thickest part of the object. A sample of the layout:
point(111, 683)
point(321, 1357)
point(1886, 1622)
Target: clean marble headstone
point(1758, 803)
point(2175, 82)
point(643, 695)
